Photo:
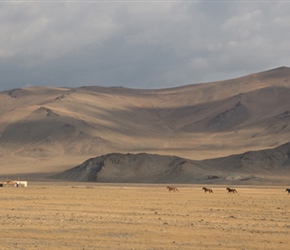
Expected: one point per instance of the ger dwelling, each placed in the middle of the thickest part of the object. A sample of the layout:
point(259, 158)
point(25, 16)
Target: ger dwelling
point(13, 184)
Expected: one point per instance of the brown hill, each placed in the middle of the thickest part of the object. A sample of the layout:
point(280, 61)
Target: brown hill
point(45, 130)
point(143, 168)
point(251, 167)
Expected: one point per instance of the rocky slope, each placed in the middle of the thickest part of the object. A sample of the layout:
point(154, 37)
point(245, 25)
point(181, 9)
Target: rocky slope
point(253, 166)
point(53, 129)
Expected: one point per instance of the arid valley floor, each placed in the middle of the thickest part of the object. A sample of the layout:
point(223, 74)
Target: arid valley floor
point(102, 216)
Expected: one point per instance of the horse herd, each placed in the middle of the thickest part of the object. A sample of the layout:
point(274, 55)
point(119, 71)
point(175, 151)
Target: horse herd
point(209, 190)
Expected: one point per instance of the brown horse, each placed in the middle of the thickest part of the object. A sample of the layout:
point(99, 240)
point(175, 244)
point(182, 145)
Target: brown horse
point(207, 190)
point(288, 190)
point(174, 189)
point(231, 190)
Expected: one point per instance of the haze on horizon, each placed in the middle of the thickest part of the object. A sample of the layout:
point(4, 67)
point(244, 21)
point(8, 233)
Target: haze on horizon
point(141, 44)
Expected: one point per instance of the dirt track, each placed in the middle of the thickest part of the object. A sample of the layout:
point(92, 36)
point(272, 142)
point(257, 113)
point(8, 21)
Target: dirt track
point(143, 217)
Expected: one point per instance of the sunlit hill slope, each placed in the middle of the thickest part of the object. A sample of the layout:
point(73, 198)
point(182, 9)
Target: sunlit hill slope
point(49, 130)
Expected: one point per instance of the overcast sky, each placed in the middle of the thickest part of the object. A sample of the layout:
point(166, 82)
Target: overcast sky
point(139, 44)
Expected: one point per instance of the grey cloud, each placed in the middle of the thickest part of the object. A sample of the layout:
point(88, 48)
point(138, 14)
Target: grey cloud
point(139, 45)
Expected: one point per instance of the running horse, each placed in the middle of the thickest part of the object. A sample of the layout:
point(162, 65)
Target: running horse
point(174, 189)
point(288, 190)
point(231, 190)
point(207, 190)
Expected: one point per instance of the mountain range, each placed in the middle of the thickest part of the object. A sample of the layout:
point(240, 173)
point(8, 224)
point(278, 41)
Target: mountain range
point(45, 130)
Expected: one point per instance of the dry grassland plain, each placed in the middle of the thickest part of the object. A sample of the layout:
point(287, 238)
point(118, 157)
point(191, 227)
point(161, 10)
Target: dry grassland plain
point(94, 216)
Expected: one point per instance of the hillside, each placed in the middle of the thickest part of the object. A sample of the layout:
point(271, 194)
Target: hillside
point(251, 167)
point(48, 130)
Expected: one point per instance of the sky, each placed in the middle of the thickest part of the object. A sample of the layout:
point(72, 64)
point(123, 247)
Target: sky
point(139, 44)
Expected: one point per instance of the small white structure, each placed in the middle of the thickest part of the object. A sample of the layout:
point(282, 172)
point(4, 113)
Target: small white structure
point(21, 183)
point(13, 184)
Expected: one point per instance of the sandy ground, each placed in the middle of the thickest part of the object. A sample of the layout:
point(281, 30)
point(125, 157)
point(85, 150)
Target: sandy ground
point(93, 216)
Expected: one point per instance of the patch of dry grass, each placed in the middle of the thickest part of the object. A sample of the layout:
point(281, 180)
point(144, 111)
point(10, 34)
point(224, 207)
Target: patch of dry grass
point(143, 217)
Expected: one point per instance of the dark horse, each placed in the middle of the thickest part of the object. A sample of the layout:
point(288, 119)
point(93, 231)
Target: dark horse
point(231, 190)
point(174, 189)
point(288, 190)
point(207, 190)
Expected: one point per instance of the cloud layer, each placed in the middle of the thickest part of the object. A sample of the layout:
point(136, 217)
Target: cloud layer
point(139, 44)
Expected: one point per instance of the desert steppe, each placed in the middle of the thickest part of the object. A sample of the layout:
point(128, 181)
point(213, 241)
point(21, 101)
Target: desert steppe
point(87, 216)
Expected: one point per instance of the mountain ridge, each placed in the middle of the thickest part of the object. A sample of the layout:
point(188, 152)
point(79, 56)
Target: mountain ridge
point(252, 166)
point(52, 129)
